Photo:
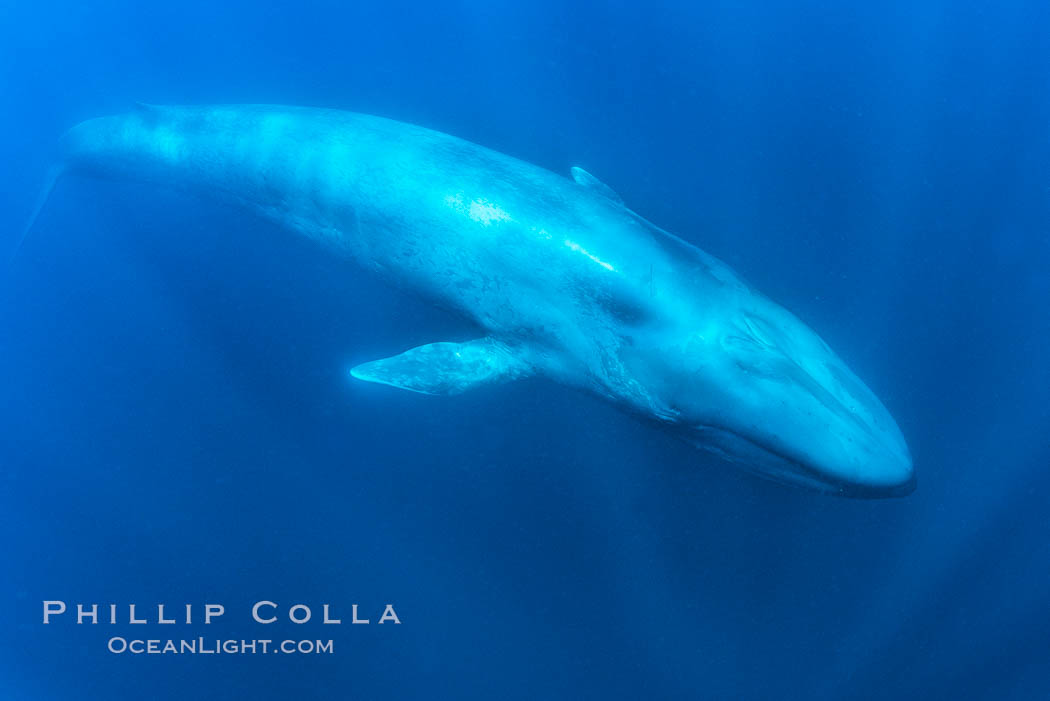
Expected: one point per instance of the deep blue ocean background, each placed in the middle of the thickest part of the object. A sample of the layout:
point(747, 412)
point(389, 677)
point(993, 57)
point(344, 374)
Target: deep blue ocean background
point(176, 423)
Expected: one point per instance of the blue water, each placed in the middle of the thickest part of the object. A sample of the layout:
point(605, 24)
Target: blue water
point(177, 425)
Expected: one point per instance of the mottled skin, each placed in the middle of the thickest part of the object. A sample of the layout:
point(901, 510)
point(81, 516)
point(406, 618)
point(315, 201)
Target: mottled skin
point(566, 281)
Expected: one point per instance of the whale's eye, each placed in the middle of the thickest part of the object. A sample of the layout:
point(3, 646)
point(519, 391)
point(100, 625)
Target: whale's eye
point(754, 355)
point(738, 346)
point(760, 331)
point(750, 336)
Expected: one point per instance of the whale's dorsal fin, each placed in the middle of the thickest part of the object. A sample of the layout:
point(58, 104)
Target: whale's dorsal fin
point(592, 183)
point(447, 368)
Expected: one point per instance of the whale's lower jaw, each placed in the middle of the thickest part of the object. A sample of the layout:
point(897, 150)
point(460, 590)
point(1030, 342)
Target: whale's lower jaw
point(848, 490)
point(766, 463)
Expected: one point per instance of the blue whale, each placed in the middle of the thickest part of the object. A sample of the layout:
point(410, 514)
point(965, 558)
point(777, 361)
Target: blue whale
point(564, 280)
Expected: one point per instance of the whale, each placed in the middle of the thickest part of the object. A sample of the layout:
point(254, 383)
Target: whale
point(561, 279)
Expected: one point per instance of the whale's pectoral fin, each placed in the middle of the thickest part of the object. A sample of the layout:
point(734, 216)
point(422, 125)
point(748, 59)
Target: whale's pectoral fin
point(592, 183)
point(447, 368)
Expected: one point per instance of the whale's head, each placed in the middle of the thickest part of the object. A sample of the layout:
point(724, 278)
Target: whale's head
point(749, 381)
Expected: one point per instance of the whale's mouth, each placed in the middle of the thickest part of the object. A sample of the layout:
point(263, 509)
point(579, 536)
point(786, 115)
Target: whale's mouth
point(769, 463)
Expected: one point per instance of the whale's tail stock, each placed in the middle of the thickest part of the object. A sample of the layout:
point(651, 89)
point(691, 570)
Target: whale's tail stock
point(54, 174)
